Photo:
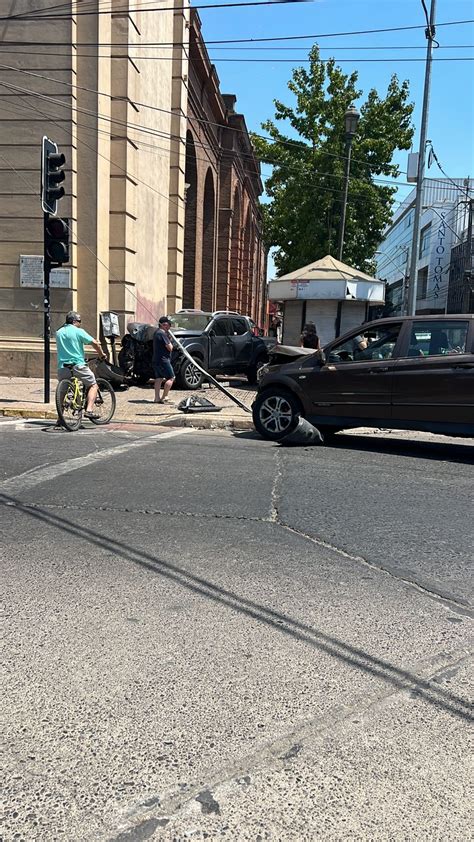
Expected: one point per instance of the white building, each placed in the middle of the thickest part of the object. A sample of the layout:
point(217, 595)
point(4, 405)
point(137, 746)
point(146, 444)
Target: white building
point(332, 295)
point(443, 226)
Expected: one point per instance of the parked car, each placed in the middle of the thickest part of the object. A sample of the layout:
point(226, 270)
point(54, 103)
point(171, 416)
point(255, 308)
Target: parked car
point(222, 343)
point(414, 373)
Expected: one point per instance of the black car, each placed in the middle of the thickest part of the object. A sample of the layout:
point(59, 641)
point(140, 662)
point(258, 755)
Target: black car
point(222, 343)
point(406, 372)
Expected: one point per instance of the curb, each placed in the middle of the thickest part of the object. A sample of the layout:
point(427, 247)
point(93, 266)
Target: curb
point(203, 422)
point(28, 413)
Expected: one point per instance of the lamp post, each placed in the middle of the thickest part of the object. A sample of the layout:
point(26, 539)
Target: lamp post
point(351, 119)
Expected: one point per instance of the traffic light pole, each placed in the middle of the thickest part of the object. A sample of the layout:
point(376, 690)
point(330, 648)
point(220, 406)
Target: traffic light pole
point(47, 316)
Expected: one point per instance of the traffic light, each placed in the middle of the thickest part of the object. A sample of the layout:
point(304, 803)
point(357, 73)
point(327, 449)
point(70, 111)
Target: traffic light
point(56, 240)
point(52, 175)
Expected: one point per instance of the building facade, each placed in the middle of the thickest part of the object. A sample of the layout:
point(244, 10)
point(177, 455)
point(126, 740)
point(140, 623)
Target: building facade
point(224, 255)
point(111, 89)
point(443, 229)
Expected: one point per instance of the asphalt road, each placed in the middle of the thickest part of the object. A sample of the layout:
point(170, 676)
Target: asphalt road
point(213, 637)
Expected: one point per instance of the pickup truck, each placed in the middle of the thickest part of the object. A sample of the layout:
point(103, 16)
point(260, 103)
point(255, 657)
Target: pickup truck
point(222, 343)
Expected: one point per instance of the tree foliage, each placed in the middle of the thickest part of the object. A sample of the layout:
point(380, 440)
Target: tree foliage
point(305, 188)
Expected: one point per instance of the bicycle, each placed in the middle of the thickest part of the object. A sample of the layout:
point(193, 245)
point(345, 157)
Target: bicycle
point(71, 401)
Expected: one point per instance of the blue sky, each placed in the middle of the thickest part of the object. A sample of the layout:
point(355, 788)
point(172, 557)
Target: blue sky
point(451, 123)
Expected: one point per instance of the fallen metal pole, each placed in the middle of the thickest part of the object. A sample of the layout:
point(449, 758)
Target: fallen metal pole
point(209, 376)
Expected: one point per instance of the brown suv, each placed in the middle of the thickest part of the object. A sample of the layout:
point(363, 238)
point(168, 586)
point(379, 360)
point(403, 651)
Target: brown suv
point(412, 373)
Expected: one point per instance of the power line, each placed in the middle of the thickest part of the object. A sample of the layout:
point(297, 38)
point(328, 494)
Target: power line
point(128, 11)
point(153, 147)
point(166, 135)
point(171, 45)
point(28, 91)
point(337, 194)
point(238, 59)
point(68, 6)
point(82, 242)
point(290, 37)
point(466, 192)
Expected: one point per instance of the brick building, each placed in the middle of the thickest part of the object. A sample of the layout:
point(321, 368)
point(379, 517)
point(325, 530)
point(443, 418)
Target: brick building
point(224, 257)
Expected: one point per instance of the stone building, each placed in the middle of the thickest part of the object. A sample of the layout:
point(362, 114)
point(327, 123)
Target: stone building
point(111, 88)
point(224, 256)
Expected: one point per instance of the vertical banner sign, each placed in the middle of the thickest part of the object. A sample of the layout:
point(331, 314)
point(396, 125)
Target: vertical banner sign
point(440, 257)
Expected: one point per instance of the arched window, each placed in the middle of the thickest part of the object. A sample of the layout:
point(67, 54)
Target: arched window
point(189, 270)
point(235, 291)
point(208, 228)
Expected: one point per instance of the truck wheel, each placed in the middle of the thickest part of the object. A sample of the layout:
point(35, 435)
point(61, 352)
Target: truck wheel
point(252, 371)
point(276, 413)
point(189, 377)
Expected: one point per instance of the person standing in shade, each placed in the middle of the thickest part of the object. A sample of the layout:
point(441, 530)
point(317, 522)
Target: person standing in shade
point(162, 347)
point(309, 338)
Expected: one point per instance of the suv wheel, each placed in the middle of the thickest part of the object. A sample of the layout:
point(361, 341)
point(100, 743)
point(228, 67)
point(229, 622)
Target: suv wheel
point(275, 413)
point(189, 376)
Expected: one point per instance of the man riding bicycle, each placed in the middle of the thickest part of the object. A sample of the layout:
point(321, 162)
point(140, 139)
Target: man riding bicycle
point(70, 341)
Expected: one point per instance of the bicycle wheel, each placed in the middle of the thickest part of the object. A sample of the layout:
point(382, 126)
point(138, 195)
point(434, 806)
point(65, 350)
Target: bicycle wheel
point(104, 403)
point(69, 411)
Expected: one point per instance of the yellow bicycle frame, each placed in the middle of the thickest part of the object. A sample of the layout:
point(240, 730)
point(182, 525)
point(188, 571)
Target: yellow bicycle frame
point(78, 396)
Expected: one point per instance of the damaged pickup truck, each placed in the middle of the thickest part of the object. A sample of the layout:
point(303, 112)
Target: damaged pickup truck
point(221, 342)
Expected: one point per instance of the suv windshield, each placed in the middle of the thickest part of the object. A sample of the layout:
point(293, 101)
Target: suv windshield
point(190, 321)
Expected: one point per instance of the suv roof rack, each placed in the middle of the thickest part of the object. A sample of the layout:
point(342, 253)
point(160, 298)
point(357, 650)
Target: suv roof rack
point(226, 313)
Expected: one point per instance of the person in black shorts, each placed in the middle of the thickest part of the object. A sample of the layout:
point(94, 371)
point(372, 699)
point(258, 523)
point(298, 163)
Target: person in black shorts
point(162, 347)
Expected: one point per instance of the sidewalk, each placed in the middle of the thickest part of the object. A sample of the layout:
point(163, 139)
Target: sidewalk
point(23, 397)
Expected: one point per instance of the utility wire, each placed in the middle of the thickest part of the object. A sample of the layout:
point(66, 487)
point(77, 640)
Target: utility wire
point(466, 192)
point(82, 242)
point(160, 46)
point(152, 147)
point(301, 37)
point(237, 59)
point(128, 11)
point(164, 135)
point(299, 145)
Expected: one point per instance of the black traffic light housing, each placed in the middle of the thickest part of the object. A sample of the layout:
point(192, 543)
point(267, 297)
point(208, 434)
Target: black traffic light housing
point(52, 175)
point(56, 240)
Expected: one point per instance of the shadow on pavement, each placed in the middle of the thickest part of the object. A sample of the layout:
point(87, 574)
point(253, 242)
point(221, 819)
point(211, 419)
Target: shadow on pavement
point(404, 447)
point(282, 623)
point(415, 448)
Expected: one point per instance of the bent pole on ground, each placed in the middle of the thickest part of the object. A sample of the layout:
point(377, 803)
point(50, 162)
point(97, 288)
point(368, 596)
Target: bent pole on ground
point(209, 376)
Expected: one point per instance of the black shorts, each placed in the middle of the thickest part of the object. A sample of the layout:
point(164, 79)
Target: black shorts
point(164, 370)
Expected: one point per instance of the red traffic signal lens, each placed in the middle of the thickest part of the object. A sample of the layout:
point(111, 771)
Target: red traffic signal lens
point(57, 229)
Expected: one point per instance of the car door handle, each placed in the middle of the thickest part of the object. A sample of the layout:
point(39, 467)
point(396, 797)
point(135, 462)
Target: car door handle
point(378, 370)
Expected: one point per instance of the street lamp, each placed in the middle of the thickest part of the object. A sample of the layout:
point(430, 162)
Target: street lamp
point(351, 119)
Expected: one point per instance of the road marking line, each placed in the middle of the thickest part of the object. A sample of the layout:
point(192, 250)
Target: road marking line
point(13, 422)
point(36, 476)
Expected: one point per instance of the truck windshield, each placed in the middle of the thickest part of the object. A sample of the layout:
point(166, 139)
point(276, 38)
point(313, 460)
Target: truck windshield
point(190, 321)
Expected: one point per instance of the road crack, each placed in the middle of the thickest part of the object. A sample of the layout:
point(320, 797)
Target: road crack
point(283, 750)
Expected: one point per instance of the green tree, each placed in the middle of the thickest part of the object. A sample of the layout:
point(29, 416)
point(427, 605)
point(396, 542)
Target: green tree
point(305, 188)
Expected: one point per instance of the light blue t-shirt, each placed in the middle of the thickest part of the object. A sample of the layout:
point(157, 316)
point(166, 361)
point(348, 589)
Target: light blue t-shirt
point(70, 343)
